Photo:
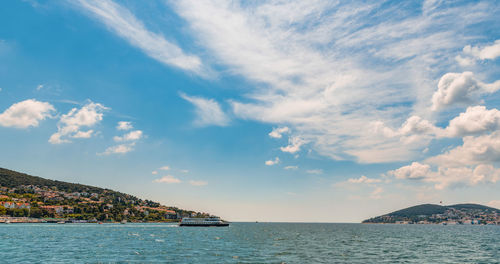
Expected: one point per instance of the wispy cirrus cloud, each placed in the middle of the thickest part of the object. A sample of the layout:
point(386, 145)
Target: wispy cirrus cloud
point(208, 111)
point(318, 65)
point(122, 22)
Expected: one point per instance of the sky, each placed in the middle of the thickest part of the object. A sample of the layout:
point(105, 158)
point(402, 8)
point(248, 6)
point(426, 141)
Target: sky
point(299, 111)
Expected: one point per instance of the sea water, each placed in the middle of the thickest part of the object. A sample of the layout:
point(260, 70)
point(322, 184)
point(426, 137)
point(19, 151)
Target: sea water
point(248, 243)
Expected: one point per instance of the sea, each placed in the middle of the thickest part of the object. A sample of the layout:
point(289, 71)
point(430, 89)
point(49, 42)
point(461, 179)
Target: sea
point(249, 243)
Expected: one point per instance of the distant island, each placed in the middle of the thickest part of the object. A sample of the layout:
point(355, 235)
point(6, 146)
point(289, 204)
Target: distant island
point(26, 198)
point(438, 214)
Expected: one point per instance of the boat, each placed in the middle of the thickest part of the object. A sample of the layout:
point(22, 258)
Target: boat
point(61, 222)
point(210, 221)
point(123, 222)
point(7, 221)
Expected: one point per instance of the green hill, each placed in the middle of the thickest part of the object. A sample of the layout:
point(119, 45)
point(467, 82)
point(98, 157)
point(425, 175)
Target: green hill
point(13, 179)
point(41, 198)
point(437, 213)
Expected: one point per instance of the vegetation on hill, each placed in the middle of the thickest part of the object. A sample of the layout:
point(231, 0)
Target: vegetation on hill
point(23, 195)
point(432, 213)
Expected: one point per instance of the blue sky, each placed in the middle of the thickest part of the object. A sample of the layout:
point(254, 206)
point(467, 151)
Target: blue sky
point(270, 111)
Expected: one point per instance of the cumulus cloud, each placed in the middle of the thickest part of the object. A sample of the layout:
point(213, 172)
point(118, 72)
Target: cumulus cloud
point(294, 144)
point(364, 179)
point(121, 21)
point(208, 111)
point(490, 52)
point(124, 125)
point(164, 168)
point(198, 183)
point(70, 124)
point(154, 172)
point(167, 179)
point(460, 89)
point(272, 162)
point(476, 119)
point(414, 171)
point(474, 150)
point(445, 177)
point(26, 114)
point(119, 149)
point(131, 136)
point(83, 134)
point(128, 140)
point(291, 167)
point(468, 164)
point(278, 132)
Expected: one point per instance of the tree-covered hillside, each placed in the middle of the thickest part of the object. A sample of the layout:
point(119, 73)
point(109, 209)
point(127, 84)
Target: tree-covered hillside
point(23, 195)
point(433, 213)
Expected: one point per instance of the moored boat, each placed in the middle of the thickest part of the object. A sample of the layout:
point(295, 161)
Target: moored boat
point(210, 221)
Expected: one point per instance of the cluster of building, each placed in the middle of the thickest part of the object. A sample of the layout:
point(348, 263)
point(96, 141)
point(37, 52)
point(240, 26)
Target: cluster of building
point(453, 216)
point(52, 202)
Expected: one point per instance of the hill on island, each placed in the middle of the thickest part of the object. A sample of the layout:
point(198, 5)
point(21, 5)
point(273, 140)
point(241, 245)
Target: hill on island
point(433, 213)
point(23, 195)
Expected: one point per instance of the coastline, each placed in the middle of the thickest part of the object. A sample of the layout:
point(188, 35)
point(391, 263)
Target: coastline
point(30, 220)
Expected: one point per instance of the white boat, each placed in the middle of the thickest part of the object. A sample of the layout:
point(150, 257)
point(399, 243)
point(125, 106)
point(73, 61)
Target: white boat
point(210, 221)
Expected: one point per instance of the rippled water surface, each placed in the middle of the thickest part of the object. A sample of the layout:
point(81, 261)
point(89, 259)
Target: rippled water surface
point(248, 243)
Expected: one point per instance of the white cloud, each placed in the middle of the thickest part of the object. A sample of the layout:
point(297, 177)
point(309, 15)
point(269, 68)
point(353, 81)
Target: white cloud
point(126, 25)
point(198, 183)
point(70, 124)
point(364, 179)
point(164, 168)
point(319, 65)
point(124, 125)
point(272, 162)
point(131, 136)
point(460, 89)
point(445, 177)
point(208, 111)
point(154, 172)
point(485, 53)
point(315, 171)
point(83, 134)
point(476, 119)
point(39, 87)
point(277, 132)
point(294, 144)
point(473, 151)
point(414, 171)
point(291, 167)
point(119, 149)
point(167, 179)
point(26, 114)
